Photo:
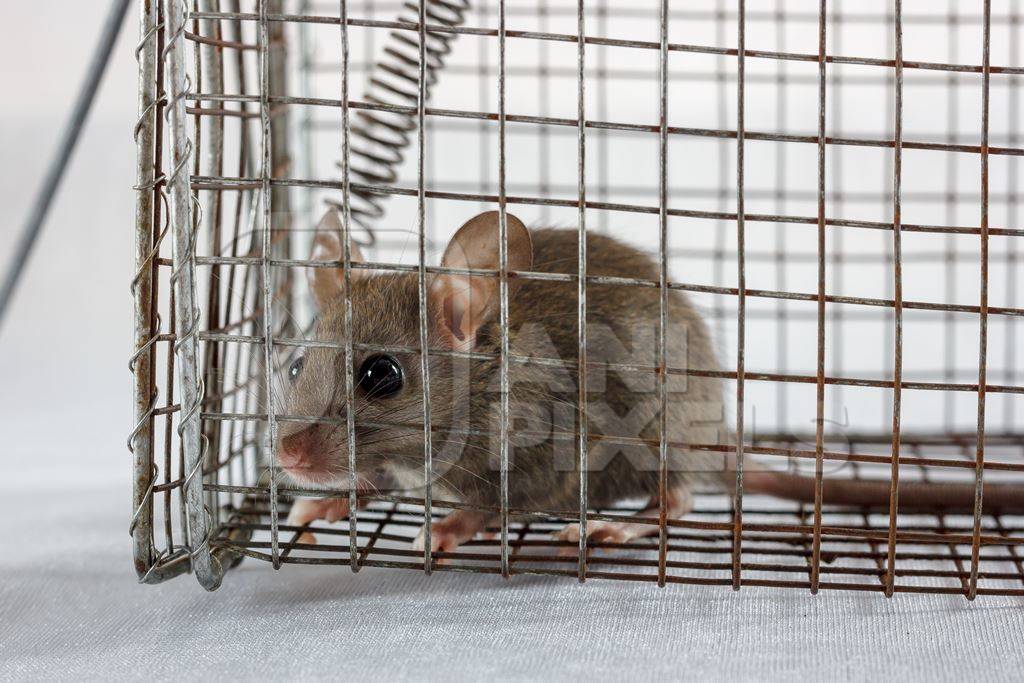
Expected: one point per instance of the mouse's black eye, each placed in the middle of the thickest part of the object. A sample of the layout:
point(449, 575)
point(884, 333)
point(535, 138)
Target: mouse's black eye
point(380, 376)
point(296, 368)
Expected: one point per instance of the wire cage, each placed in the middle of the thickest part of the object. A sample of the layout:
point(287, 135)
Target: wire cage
point(834, 185)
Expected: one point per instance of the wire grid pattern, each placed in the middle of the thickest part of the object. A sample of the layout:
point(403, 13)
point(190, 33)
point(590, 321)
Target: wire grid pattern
point(224, 85)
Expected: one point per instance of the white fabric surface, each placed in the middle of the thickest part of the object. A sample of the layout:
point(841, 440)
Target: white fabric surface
point(70, 609)
point(69, 604)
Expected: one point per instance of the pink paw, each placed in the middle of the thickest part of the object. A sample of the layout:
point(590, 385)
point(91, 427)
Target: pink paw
point(307, 510)
point(441, 539)
point(597, 532)
point(451, 532)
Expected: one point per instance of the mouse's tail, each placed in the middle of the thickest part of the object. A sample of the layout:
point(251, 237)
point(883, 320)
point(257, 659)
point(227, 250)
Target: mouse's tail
point(875, 493)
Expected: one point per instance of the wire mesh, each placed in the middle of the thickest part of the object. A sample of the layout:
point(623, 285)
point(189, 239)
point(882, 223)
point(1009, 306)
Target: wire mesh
point(719, 137)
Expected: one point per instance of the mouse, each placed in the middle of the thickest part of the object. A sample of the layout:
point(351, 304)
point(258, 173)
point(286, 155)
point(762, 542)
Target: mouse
point(463, 316)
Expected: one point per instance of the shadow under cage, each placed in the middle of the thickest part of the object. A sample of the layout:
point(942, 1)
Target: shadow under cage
point(834, 186)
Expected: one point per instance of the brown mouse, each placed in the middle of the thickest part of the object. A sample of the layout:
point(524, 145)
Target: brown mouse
point(463, 316)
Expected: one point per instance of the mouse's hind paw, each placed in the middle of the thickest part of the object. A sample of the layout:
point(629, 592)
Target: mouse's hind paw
point(678, 502)
point(598, 532)
point(449, 533)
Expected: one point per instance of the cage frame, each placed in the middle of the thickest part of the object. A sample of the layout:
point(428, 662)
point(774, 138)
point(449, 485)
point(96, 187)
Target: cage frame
point(162, 51)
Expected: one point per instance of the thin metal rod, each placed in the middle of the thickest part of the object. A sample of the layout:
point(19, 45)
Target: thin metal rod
point(979, 471)
point(421, 284)
point(503, 291)
point(663, 296)
point(819, 418)
point(741, 302)
point(843, 456)
point(622, 367)
point(346, 251)
point(936, 81)
point(210, 72)
point(897, 252)
point(613, 125)
point(618, 42)
point(266, 194)
point(581, 309)
point(58, 165)
point(215, 182)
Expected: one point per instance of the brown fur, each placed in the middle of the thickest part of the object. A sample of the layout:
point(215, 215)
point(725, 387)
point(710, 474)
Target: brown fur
point(465, 393)
point(386, 313)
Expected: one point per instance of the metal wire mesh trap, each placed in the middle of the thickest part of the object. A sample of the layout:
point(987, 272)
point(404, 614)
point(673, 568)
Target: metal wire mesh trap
point(834, 185)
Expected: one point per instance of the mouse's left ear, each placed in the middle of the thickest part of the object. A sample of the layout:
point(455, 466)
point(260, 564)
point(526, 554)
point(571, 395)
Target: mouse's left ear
point(326, 283)
point(464, 303)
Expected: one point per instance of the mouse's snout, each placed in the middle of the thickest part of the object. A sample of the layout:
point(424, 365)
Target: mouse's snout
point(301, 454)
point(294, 451)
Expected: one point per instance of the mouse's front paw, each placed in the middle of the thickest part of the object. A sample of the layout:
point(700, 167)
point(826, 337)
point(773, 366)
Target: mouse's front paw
point(307, 510)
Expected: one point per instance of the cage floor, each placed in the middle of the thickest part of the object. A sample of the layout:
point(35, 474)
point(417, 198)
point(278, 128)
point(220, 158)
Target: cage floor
point(933, 551)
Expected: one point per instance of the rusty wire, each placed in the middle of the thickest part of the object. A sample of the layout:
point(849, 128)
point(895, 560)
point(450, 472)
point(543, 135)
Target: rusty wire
point(218, 487)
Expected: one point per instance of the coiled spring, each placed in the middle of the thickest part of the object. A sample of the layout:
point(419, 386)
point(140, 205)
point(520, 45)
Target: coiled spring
point(379, 138)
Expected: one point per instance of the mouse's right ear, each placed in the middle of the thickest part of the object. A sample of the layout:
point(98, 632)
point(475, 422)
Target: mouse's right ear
point(464, 303)
point(326, 282)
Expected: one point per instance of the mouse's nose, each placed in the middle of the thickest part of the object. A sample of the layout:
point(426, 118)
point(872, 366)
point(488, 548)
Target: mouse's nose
point(295, 448)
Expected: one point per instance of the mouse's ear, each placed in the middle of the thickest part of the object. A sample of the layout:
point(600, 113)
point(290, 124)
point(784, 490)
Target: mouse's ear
point(326, 283)
point(464, 303)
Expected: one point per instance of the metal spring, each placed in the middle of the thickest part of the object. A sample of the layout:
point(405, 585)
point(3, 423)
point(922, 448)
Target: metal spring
point(379, 138)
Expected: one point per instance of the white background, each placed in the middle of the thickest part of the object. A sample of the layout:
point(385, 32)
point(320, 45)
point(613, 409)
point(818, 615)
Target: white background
point(69, 606)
